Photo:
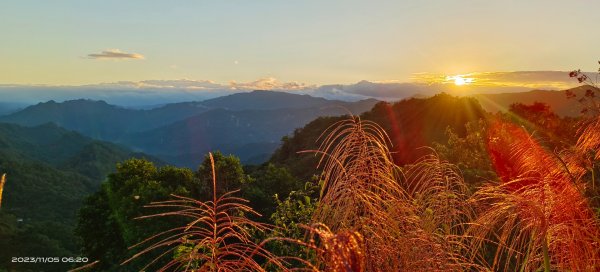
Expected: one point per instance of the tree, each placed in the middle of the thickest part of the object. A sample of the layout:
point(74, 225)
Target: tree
point(122, 197)
point(469, 153)
point(216, 235)
point(228, 169)
point(100, 234)
point(267, 182)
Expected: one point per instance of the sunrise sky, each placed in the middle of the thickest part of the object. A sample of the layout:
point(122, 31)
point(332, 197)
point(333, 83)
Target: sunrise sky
point(294, 44)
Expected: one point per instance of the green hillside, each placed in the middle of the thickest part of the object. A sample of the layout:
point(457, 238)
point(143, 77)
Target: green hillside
point(411, 124)
point(50, 171)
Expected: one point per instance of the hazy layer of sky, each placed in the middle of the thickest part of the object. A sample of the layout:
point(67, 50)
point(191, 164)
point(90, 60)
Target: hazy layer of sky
point(312, 42)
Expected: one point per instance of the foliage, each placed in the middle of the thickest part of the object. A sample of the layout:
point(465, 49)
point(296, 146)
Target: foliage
point(266, 183)
point(468, 153)
point(415, 123)
point(218, 236)
point(230, 172)
point(39, 238)
point(537, 113)
point(121, 198)
point(50, 170)
point(557, 132)
point(100, 233)
point(589, 100)
point(291, 214)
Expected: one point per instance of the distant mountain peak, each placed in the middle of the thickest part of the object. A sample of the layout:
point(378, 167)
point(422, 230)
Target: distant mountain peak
point(265, 100)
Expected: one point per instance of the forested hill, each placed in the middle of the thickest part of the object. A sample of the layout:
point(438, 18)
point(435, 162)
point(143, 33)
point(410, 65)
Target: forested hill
point(411, 124)
point(559, 101)
point(50, 171)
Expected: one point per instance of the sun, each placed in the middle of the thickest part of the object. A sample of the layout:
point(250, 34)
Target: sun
point(459, 80)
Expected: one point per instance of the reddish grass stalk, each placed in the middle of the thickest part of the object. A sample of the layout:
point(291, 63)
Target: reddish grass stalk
point(536, 214)
point(360, 189)
point(589, 140)
point(2, 182)
point(438, 194)
point(407, 224)
point(341, 251)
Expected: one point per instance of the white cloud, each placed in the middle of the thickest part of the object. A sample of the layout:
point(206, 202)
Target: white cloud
point(115, 54)
point(270, 83)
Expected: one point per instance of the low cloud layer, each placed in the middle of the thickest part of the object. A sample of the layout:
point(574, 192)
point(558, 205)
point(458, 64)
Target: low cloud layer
point(115, 54)
point(378, 90)
point(156, 92)
point(270, 83)
point(549, 80)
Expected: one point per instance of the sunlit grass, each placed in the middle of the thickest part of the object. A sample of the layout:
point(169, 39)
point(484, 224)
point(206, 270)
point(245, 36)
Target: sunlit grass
point(409, 222)
point(2, 182)
point(536, 215)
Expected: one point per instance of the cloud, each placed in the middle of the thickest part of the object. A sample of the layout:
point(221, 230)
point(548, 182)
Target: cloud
point(548, 80)
point(379, 90)
point(180, 84)
point(115, 54)
point(270, 83)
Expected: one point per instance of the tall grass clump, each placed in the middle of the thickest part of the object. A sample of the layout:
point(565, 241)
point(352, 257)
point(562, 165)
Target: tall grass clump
point(359, 177)
point(342, 251)
point(407, 223)
point(218, 236)
point(439, 194)
point(2, 182)
point(326, 250)
point(536, 215)
point(589, 139)
point(360, 190)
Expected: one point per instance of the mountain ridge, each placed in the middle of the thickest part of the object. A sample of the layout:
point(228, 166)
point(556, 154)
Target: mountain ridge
point(232, 132)
point(557, 100)
point(263, 117)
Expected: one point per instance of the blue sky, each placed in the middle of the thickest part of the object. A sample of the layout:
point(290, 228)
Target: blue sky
point(307, 42)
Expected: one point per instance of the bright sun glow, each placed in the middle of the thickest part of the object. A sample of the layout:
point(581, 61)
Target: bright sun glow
point(459, 80)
